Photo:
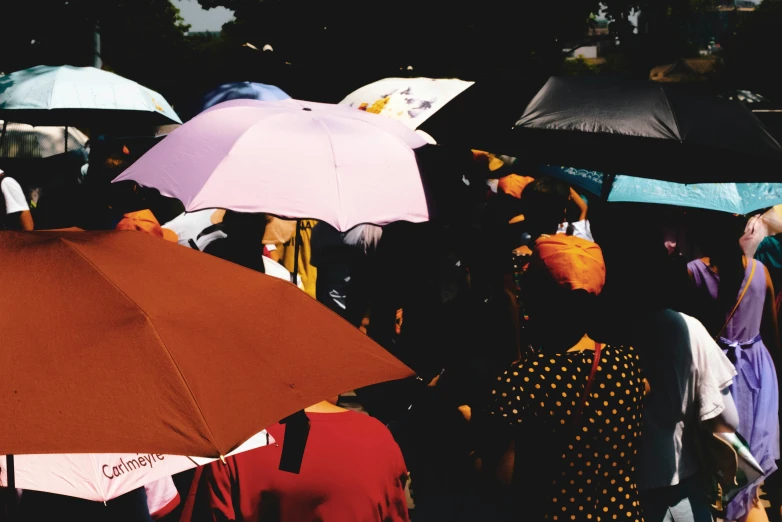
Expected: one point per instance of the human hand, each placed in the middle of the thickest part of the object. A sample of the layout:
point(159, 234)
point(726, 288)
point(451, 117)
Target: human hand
point(576, 198)
point(754, 233)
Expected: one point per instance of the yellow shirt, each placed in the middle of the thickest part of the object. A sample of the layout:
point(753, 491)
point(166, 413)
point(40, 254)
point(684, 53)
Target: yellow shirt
point(307, 271)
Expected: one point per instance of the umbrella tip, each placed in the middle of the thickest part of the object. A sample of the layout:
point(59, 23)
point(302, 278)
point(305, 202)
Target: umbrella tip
point(222, 458)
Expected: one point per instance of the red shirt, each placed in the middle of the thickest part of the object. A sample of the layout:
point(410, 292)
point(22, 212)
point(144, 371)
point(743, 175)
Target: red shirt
point(352, 471)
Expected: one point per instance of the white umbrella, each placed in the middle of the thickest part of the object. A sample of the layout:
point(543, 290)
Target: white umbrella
point(20, 140)
point(45, 95)
point(104, 476)
point(410, 100)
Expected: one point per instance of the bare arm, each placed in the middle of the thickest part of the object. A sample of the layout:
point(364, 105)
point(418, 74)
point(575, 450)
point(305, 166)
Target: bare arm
point(26, 221)
point(580, 203)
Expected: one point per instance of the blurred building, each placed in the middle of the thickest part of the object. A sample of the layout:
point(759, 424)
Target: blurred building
point(689, 70)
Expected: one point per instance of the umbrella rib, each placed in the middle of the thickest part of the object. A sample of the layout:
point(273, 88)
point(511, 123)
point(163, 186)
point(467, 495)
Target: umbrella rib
point(51, 93)
point(673, 113)
point(157, 335)
point(104, 493)
point(355, 118)
point(333, 155)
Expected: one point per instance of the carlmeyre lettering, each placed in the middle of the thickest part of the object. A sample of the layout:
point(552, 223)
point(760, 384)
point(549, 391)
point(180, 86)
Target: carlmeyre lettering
point(112, 472)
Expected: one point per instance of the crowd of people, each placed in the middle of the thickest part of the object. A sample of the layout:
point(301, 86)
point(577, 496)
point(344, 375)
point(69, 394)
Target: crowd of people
point(573, 358)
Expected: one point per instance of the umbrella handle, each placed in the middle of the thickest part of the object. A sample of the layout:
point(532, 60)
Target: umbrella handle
point(13, 501)
point(2, 133)
point(296, 242)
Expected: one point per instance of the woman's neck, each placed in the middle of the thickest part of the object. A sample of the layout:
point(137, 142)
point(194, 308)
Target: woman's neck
point(561, 341)
point(324, 407)
point(586, 343)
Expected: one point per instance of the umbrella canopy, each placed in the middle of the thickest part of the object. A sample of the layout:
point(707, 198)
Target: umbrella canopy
point(736, 198)
point(101, 477)
point(293, 159)
point(242, 91)
point(647, 130)
point(27, 142)
point(67, 95)
point(409, 100)
point(120, 342)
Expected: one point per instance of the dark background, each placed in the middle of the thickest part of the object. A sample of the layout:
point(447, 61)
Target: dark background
point(324, 49)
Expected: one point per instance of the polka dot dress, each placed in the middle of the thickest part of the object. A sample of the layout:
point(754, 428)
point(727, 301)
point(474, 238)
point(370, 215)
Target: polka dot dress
point(594, 479)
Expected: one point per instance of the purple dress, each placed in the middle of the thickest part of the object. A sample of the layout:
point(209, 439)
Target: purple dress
point(754, 389)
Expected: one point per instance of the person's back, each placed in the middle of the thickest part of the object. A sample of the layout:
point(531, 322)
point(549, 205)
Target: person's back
point(573, 409)
point(688, 375)
point(352, 470)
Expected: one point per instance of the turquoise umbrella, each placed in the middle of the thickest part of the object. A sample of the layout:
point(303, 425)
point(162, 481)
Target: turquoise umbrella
point(736, 198)
point(66, 95)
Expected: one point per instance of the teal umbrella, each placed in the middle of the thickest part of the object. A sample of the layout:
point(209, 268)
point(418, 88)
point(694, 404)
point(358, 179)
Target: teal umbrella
point(736, 198)
point(66, 95)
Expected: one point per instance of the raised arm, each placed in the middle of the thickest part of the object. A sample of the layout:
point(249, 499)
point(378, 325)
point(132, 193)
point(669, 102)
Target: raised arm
point(580, 203)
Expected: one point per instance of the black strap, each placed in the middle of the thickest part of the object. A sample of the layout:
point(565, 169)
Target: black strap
point(297, 430)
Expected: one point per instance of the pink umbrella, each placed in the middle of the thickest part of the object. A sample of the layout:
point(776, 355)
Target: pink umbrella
point(293, 159)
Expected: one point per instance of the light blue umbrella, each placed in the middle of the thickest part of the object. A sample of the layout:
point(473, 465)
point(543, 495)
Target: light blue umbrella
point(735, 198)
point(66, 95)
point(242, 91)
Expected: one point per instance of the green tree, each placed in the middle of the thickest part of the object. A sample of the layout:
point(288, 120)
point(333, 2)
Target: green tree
point(141, 39)
point(750, 60)
point(352, 42)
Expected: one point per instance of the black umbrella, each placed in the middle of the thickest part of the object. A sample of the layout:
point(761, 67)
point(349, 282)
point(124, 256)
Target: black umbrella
point(647, 130)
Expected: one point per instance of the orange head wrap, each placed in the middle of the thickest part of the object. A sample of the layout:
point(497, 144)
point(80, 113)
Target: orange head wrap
point(145, 221)
point(572, 262)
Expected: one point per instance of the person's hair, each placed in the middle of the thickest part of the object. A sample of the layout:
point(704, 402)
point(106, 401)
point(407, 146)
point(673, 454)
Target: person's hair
point(557, 313)
point(544, 202)
point(364, 236)
point(718, 236)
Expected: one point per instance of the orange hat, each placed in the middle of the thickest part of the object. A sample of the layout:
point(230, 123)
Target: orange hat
point(514, 185)
point(494, 162)
point(145, 221)
point(572, 262)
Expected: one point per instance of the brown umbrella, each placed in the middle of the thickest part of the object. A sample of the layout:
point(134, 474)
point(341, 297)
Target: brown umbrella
point(121, 342)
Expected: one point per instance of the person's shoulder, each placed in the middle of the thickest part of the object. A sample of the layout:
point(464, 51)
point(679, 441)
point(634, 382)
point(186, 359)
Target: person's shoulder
point(364, 424)
point(696, 263)
point(624, 351)
point(9, 183)
point(361, 419)
point(760, 264)
point(702, 343)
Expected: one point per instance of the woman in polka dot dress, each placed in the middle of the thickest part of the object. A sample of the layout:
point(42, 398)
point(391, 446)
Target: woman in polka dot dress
point(574, 455)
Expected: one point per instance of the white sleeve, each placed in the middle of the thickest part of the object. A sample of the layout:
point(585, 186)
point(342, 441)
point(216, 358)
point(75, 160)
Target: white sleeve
point(14, 196)
point(493, 184)
point(583, 230)
point(714, 370)
point(162, 497)
point(580, 229)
